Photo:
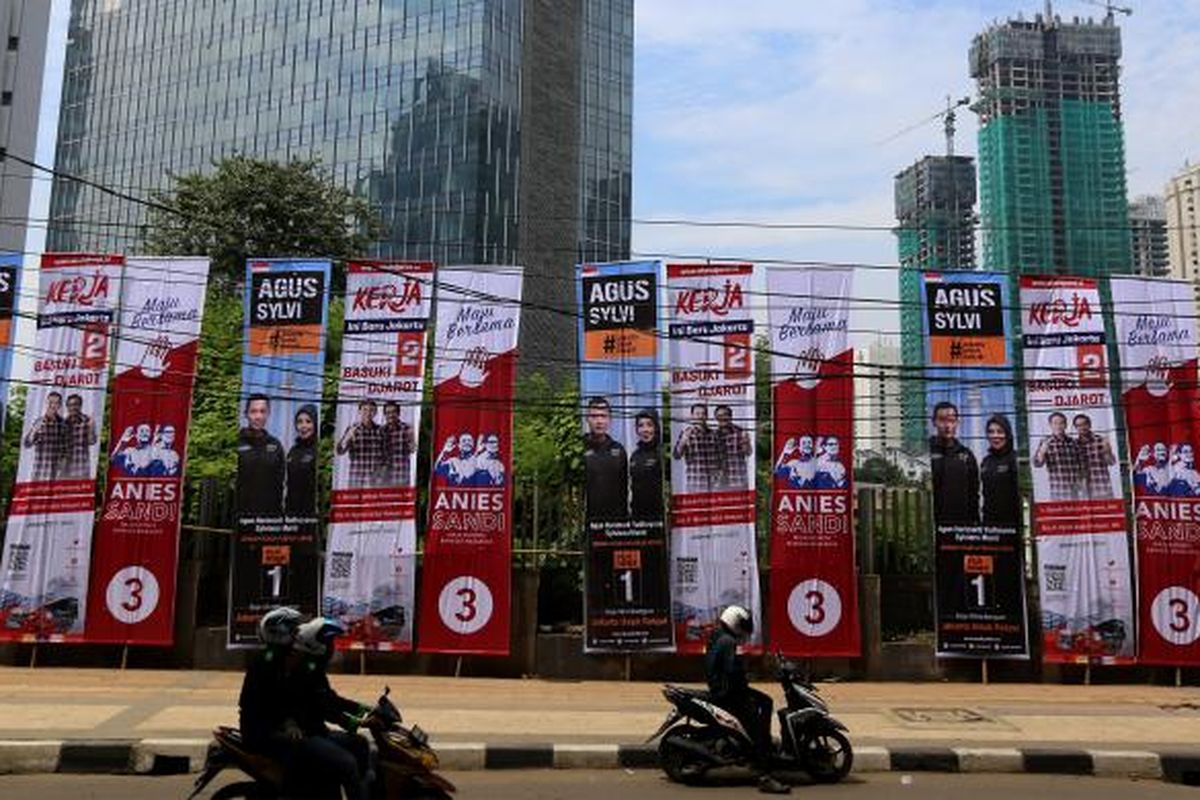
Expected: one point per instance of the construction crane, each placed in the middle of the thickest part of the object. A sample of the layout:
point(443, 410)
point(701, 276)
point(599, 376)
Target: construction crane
point(1109, 7)
point(948, 117)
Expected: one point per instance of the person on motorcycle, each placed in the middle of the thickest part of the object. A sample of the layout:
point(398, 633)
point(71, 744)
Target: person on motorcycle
point(286, 700)
point(730, 689)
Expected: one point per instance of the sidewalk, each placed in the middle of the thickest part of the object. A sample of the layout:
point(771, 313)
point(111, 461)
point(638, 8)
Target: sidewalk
point(77, 704)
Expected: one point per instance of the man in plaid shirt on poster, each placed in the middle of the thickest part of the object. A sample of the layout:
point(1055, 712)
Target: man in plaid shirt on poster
point(1096, 457)
point(1059, 455)
point(735, 450)
point(700, 450)
point(366, 446)
point(399, 443)
point(48, 437)
point(81, 436)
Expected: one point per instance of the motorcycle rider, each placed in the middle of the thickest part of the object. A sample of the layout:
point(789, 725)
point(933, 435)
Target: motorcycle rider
point(286, 700)
point(729, 688)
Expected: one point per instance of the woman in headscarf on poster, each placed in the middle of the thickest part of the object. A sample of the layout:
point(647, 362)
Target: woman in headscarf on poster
point(999, 476)
point(646, 469)
point(301, 500)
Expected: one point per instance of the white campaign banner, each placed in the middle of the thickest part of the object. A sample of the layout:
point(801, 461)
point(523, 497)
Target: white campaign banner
point(370, 569)
point(1078, 506)
point(44, 575)
point(714, 561)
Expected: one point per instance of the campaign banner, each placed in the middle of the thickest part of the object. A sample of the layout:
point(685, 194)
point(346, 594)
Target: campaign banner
point(44, 573)
point(466, 577)
point(136, 553)
point(974, 454)
point(10, 287)
point(714, 561)
point(628, 597)
point(1156, 343)
point(276, 560)
point(814, 584)
point(370, 567)
point(1084, 576)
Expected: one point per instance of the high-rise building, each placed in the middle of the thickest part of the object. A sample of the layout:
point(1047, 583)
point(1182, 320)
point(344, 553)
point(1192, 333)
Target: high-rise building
point(30, 82)
point(935, 211)
point(1183, 225)
point(1148, 228)
point(878, 390)
point(1052, 191)
point(485, 131)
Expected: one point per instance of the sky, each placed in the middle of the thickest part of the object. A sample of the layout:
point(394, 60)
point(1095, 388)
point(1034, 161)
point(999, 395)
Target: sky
point(783, 111)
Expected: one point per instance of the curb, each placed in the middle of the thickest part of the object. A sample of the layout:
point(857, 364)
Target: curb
point(180, 756)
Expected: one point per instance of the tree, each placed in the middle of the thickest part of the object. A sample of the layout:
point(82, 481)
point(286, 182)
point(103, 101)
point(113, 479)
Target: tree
point(249, 208)
point(880, 470)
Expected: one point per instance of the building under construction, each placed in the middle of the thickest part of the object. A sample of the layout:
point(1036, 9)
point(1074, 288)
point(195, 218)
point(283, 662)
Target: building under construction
point(935, 209)
point(1051, 148)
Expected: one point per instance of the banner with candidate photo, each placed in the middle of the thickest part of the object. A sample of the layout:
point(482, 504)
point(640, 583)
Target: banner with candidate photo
point(10, 288)
point(628, 596)
point(131, 599)
point(1078, 503)
point(44, 573)
point(466, 576)
point(714, 561)
point(814, 584)
point(370, 565)
point(1156, 343)
point(973, 458)
point(276, 559)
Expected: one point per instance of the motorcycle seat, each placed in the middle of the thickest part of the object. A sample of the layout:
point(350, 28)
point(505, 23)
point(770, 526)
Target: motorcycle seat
point(684, 691)
point(261, 767)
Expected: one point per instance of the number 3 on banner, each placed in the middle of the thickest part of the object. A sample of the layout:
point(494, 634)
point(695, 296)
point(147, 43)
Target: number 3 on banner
point(132, 595)
point(814, 607)
point(465, 604)
point(1174, 614)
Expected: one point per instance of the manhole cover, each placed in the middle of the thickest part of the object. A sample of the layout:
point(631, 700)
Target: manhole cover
point(941, 716)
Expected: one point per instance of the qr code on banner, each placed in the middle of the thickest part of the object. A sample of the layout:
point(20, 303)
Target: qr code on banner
point(339, 565)
point(687, 571)
point(18, 558)
point(1056, 577)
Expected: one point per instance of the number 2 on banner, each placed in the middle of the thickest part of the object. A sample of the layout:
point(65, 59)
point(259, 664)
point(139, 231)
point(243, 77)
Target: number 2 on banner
point(738, 356)
point(410, 354)
point(93, 348)
point(1089, 359)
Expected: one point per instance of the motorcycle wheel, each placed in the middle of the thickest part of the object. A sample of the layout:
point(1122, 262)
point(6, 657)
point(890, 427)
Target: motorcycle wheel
point(828, 756)
point(243, 790)
point(680, 764)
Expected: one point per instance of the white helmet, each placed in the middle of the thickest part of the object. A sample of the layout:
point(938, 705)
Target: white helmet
point(316, 636)
point(737, 620)
point(278, 626)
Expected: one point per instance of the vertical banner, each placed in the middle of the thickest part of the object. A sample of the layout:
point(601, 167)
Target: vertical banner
point(973, 458)
point(628, 597)
point(466, 578)
point(814, 585)
point(714, 561)
point(1156, 340)
point(10, 287)
point(275, 552)
point(44, 575)
point(1078, 506)
point(132, 586)
point(370, 569)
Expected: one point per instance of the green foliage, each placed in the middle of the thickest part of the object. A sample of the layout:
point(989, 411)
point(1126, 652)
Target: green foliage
point(249, 208)
point(548, 454)
point(880, 470)
point(10, 441)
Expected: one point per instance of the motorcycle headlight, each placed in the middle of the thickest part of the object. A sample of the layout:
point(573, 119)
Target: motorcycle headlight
point(419, 736)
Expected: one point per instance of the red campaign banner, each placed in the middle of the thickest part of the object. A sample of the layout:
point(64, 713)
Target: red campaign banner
point(1156, 339)
point(814, 586)
point(466, 579)
point(136, 552)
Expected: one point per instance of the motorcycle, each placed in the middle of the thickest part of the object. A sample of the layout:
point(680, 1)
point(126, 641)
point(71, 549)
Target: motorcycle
point(699, 735)
point(405, 766)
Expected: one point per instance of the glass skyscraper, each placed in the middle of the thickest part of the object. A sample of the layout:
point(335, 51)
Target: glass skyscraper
point(485, 131)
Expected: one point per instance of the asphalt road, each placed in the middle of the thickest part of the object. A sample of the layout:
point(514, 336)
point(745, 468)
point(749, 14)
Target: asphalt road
point(604, 785)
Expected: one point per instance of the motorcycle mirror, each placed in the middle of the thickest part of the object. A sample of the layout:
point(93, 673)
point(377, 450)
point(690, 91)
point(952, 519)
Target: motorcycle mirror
point(387, 690)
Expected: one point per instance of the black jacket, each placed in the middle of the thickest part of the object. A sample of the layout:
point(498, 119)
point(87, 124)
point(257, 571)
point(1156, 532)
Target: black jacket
point(270, 697)
point(301, 498)
point(1001, 488)
point(260, 473)
point(724, 668)
point(955, 483)
point(646, 483)
point(607, 471)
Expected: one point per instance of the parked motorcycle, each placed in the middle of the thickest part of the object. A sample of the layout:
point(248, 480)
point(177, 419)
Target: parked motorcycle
point(699, 735)
point(405, 768)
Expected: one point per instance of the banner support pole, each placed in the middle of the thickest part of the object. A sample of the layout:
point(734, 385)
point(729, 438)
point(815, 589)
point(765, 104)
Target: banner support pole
point(1178, 677)
point(1087, 675)
point(983, 670)
point(458, 667)
point(124, 656)
point(628, 668)
point(33, 656)
point(362, 662)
